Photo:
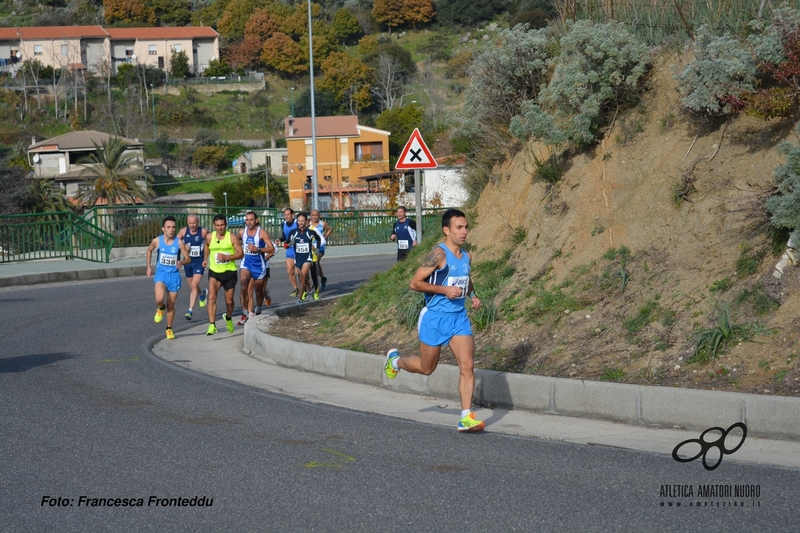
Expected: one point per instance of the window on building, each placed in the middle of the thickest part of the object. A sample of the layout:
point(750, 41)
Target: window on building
point(128, 51)
point(64, 50)
point(37, 49)
point(152, 49)
point(177, 48)
point(369, 151)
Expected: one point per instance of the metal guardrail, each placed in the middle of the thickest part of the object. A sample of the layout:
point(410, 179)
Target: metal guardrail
point(137, 226)
point(61, 234)
point(92, 236)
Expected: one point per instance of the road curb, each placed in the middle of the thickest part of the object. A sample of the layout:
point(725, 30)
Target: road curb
point(652, 406)
point(73, 275)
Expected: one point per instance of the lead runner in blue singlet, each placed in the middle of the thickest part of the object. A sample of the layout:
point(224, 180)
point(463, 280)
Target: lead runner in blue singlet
point(444, 279)
point(254, 270)
point(167, 274)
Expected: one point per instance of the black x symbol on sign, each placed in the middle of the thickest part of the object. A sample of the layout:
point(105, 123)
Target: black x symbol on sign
point(415, 155)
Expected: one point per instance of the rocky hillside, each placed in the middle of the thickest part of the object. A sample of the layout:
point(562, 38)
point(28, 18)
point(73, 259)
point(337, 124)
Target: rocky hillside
point(638, 247)
point(613, 272)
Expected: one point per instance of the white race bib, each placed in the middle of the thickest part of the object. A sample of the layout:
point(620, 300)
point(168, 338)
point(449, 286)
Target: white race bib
point(302, 248)
point(459, 281)
point(194, 251)
point(168, 260)
point(402, 245)
point(218, 259)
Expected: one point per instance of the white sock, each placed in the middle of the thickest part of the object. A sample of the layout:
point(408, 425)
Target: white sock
point(394, 363)
point(465, 412)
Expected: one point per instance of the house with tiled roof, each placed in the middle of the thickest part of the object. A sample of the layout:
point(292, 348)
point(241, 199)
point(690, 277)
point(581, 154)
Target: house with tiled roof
point(91, 48)
point(155, 46)
point(61, 158)
point(347, 152)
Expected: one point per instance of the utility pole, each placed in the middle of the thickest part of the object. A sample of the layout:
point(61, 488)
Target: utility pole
point(314, 182)
point(155, 136)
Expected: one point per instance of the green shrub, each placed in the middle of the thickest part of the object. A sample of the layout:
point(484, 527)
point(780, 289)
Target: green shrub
point(784, 205)
point(720, 74)
point(600, 67)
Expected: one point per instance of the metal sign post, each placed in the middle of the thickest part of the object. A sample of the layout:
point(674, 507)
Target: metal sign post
point(416, 156)
point(418, 204)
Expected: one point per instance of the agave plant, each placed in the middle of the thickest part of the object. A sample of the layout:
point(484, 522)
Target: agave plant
point(711, 342)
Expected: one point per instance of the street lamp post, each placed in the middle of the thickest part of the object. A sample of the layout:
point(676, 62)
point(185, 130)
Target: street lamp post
point(152, 90)
point(225, 194)
point(314, 179)
point(292, 93)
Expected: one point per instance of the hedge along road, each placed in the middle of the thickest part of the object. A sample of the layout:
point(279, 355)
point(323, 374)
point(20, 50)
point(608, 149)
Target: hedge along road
point(94, 425)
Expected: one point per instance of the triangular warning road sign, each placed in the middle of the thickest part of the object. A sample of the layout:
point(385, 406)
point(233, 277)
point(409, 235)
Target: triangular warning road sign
point(415, 154)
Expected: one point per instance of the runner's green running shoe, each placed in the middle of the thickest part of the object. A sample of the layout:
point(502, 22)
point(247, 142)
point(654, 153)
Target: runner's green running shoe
point(316, 294)
point(469, 424)
point(188, 314)
point(170, 334)
point(228, 323)
point(203, 297)
point(212, 328)
point(388, 367)
point(159, 315)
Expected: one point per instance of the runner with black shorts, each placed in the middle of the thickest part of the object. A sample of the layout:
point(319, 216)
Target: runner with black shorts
point(222, 249)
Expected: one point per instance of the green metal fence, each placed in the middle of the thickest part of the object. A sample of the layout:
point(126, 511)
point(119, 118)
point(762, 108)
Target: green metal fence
point(92, 236)
point(52, 235)
point(138, 225)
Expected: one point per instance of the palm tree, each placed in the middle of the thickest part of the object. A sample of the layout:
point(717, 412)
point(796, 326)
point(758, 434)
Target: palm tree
point(41, 196)
point(114, 175)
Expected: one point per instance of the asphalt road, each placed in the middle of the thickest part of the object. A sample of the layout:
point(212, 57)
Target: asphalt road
point(89, 413)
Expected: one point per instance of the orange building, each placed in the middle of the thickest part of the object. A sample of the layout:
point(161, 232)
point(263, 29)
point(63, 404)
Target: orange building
point(346, 153)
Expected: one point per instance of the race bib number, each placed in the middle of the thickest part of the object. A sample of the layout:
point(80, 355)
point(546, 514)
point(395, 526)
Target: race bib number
point(248, 252)
point(195, 251)
point(459, 281)
point(168, 260)
point(302, 248)
point(218, 259)
point(402, 245)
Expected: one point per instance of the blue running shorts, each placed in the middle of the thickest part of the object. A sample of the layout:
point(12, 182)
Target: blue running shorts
point(436, 329)
point(192, 269)
point(256, 273)
point(172, 280)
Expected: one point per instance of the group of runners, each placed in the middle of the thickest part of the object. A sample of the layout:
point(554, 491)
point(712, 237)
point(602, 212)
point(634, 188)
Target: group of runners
point(197, 249)
point(443, 278)
point(304, 237)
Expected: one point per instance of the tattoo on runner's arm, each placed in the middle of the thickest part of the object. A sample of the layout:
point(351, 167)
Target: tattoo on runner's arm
point(433, 258)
